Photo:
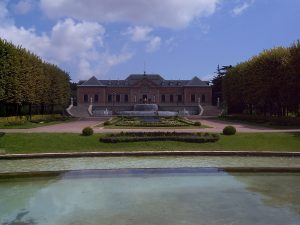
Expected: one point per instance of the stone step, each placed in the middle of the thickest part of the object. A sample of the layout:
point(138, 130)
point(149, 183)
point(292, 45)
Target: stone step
point(80, 111)
point(211, 111)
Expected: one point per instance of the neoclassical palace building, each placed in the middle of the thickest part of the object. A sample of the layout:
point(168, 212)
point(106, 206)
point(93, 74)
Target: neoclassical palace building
point(144, 88)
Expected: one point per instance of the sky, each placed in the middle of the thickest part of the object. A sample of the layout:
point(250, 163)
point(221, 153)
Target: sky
point(178, 39)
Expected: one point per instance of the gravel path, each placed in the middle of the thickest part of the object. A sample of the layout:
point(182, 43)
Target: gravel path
point(77, 126)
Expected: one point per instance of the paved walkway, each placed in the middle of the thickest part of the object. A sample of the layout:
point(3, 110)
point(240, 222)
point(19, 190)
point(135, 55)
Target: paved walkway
point(77, 126)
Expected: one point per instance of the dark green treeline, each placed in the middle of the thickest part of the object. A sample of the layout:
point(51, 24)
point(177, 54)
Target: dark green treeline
point(28, 85)
point(267, 84)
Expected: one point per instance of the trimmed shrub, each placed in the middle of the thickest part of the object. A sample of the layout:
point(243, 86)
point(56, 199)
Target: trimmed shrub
point(197, 123)
point(87, 131)
point(229, 130)
point(159, 136)
point(2, 134)
point(107, 123)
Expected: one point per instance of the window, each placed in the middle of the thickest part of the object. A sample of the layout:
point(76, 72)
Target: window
point(96, 98)
point(86, 98)
point(179, 98)
point(193, 98)
point(118, 98)
point(126, 98)
point(171, 98)
point(109, 98)
point(163, 98)
point(203, 98)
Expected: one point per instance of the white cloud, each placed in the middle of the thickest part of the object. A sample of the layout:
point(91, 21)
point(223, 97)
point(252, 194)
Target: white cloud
point(138, 33)
point(154, 44)
point(113, 60)
point(240, 9)
point(76, 44)
point(23, 6)
point(143, 34)
point(157, 13)
point(70, 40)
point(67, 39)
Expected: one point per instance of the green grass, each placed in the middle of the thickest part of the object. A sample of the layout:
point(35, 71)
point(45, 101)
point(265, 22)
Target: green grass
point(29, 124)
point(263, 124)
point(39, 143)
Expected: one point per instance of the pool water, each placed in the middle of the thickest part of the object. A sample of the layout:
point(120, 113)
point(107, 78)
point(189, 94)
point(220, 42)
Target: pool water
point(189, 196)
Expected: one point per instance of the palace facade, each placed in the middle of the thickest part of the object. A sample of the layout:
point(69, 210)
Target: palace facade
point(144, 88)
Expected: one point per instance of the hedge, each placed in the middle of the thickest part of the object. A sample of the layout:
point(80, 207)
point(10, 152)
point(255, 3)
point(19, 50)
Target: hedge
point(271, 120)
point(159, 136)
point(28, 118)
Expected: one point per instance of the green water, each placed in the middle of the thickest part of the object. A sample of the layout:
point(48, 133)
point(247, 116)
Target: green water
point(140, 197)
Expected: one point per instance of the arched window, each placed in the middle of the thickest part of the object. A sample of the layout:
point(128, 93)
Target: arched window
point(163, 98)
point(109, 98)
point(193, 98)
point(96, 98)
point(86, 98)
point(126, 98)
point(179, 98)
point(203, 98)
point(118, 98)
point(171, 98)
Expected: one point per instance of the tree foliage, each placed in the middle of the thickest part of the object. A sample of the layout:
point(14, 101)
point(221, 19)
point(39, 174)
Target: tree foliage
point(217, 84)
point(28, 84)
point(268, 83)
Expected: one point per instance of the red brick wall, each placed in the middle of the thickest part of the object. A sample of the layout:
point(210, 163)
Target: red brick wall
point(136, 93)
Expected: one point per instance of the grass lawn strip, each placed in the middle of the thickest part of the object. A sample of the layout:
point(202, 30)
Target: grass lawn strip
point(52, 142)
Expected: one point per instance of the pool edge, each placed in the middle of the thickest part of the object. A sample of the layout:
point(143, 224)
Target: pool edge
point(150, 153)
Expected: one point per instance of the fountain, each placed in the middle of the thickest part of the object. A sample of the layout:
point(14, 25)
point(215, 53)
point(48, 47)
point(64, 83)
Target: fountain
point(147, 110)
point(101, 112)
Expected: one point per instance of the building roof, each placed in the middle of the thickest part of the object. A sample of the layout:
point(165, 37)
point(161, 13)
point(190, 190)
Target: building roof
point(92, 82)
point(154, 78)
point(197, 82)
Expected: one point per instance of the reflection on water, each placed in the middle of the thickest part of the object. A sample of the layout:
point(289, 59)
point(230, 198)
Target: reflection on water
point(272, 189)
point(139, 198)
point(19, 219)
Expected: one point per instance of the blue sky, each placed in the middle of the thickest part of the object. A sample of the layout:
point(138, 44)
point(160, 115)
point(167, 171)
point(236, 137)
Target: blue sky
point(178, 39)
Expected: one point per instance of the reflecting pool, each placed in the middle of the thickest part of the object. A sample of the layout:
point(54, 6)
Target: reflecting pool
point(190, 196)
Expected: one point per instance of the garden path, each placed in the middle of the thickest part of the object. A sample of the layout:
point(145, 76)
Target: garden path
point(77, 126)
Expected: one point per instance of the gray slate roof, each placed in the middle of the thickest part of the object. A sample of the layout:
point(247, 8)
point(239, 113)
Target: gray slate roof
point(196, 82)
point(93, 81)
point(134, 78)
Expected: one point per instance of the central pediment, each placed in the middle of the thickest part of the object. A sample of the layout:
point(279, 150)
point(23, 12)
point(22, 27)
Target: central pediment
point(145, 83)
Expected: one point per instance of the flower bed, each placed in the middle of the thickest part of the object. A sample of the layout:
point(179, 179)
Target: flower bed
point(161, 122)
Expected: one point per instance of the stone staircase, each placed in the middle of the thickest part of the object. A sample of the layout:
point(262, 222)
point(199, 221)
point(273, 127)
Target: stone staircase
point(211, 111)
point(80, 111)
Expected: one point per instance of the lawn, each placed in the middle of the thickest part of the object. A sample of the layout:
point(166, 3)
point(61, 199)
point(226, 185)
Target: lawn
point(40, 143)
